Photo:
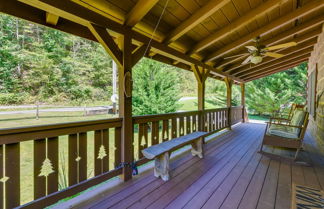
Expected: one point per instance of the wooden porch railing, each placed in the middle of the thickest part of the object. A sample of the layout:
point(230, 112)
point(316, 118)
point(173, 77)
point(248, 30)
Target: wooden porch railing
point(46, 162)
point(237, 114)
point(104, 138)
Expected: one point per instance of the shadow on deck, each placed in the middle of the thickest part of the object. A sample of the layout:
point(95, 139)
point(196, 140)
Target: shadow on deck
point(232, 175)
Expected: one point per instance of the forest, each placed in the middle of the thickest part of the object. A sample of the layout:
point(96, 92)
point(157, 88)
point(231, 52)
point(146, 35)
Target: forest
point(39, 64)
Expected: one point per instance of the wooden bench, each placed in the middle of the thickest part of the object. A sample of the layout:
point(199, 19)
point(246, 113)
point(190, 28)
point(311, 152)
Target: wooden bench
point(161, 152)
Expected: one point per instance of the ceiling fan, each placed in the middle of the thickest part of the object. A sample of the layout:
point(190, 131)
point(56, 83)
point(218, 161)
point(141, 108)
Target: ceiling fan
point(257, 52)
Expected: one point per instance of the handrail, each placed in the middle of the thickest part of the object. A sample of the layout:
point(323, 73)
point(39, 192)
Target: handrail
point(14, 135)
point(157, 117)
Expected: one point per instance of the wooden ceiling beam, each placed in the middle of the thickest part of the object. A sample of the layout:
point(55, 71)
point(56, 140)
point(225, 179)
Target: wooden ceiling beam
point(273, 25)
point(51, 19)
point(107, 42)
point(137, 13)
point(302, 42)
point(276, 70)
point(285, 36)
point(201, 14)
point(235, 25)
point(277, 62)
point(77, 13)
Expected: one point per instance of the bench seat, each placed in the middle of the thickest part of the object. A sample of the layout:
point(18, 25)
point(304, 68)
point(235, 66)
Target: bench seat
point(161, 152)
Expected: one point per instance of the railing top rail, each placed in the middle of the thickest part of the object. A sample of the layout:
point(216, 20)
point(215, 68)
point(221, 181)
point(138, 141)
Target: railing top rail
point(165, 116)
point(237, 107)
point(215, 109)
point(115, 122)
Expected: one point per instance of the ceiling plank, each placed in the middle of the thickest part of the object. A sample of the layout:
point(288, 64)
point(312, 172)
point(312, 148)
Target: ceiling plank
point(276, 70)
point(51, 19)
point(201, 14)
point(289, 52)
point(314, 22)
point(279, 22)
point(141, 8)
point(237, 24)
point(278, 61)
point(302, 42)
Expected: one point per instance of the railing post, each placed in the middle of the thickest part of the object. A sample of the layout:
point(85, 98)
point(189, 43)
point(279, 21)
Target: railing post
point(201, 75)
point(243, 102)
point(229, 83)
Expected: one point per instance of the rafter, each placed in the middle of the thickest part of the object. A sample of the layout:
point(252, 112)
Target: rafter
point(287, 19)
point(201, 14)
point(277, 62)
point(276, 70)
point(279, 38)
point(237, 24)
point(141, 8)
point(51, 18)
point(302, 42)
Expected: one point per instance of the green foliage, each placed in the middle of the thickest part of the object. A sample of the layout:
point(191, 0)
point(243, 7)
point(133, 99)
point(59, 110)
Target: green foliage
point(10, 98)
point(156, 89)
point(50, 66)
point(216, 93)
point(270, 94)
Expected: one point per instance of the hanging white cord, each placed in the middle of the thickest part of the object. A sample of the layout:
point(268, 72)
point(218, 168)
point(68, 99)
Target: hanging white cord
point(156, 26)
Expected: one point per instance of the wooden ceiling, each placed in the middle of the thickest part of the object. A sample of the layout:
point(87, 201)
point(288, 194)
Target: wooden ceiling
point(191, 32)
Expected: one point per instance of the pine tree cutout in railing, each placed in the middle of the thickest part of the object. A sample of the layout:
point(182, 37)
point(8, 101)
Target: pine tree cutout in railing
point(102, 152)
point(47, 168)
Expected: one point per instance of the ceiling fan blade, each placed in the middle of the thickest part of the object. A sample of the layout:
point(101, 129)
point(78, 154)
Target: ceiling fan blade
point(280, 46)
point(239, 55)
point(272, 54)
point(247, 60)
point(252, 48)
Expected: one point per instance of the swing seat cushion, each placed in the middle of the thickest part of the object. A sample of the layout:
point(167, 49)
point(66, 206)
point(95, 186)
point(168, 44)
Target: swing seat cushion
point(283, 131)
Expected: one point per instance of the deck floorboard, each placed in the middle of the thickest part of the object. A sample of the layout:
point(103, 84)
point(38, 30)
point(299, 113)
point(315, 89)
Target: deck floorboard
point(231, 175)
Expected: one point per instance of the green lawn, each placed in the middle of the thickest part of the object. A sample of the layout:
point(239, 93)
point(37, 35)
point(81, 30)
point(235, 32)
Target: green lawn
point(20, 120)
point(259, 117)
point(192, 104)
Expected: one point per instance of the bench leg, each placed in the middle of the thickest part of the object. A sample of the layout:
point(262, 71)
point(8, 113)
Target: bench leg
point(161, 168)
point(197, 148)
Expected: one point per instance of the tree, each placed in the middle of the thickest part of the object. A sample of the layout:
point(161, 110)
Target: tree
point(270, 94)
point(156, 89)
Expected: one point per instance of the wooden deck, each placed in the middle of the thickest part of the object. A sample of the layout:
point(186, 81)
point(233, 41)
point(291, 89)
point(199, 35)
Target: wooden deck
point(232, 175)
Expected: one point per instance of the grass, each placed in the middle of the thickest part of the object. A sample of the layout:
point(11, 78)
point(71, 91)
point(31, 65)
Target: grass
point(192, 104)
point(20, 120)
point(259, 117)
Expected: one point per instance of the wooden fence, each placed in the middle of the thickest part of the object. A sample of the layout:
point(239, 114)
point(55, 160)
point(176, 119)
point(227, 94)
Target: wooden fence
point(105, 136)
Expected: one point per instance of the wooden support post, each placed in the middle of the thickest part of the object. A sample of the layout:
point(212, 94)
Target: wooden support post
point(201, 75)
point(229, 83)
point(125, 105)
point(244, 116)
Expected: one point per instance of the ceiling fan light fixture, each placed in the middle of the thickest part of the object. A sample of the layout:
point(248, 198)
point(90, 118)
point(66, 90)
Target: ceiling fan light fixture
point(256, 59)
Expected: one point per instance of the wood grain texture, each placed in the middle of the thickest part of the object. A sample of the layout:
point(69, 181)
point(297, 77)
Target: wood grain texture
point(232, 175)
